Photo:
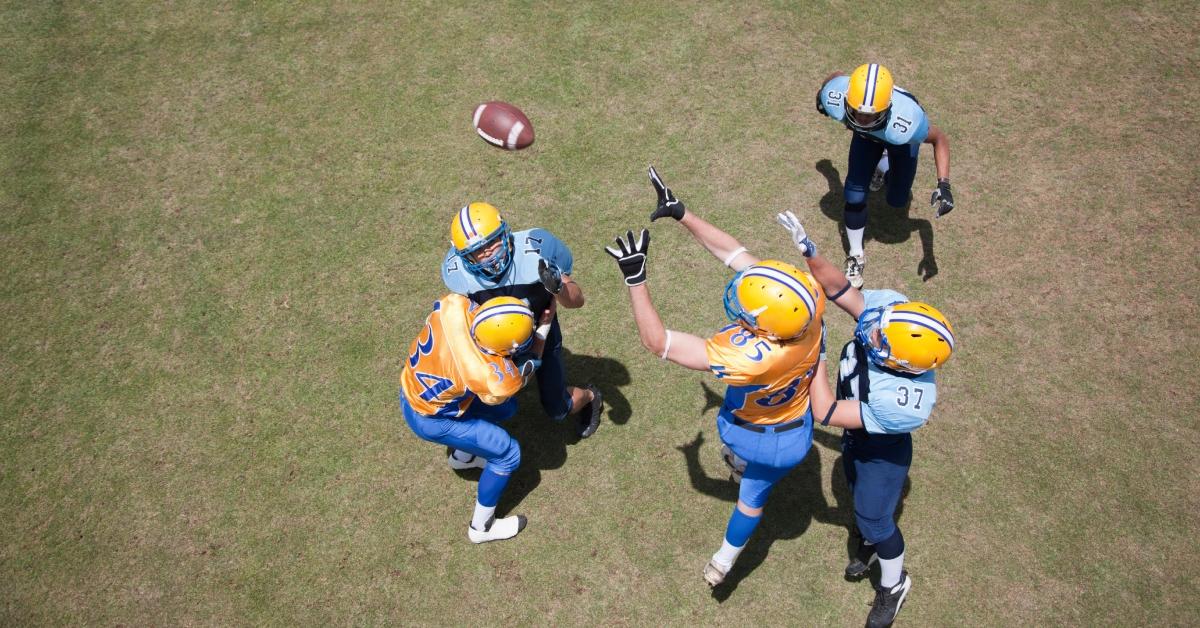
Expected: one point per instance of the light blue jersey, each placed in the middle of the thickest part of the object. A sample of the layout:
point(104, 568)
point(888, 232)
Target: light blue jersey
point(906, 123)
point(521, 280)
point(892, 402)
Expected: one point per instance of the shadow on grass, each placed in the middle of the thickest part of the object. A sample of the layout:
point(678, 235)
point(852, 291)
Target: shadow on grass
point(885, 224)
point(794, 503)
point(543, 441)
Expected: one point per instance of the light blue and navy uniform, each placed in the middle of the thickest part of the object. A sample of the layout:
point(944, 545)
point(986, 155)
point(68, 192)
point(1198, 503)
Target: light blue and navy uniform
point(877, 456)
point(901, 136)
point(521, 280)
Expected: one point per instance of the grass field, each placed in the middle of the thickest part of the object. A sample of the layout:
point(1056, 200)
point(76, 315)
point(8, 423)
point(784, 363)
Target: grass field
point(220, 225)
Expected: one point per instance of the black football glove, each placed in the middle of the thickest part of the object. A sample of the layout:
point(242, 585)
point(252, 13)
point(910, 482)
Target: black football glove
point(631, 256)
point(941, 198)
point(551, 277)
point(668, 205)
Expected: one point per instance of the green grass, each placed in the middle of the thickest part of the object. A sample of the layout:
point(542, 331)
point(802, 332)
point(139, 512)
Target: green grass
point(220, 226)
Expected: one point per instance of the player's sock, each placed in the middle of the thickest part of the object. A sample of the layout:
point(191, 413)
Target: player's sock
point(891, 559)
point(855, 237)
point(481, 517)
point(727, 555)
point(741, 526)
point(462, 456)
point(491, 484)
point(890, 569)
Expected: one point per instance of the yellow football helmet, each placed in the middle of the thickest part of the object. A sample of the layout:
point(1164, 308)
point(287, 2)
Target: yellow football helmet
point(502, 326)
point(774, 299)
point(475, 228)
point(913, 336)
point(869, 97)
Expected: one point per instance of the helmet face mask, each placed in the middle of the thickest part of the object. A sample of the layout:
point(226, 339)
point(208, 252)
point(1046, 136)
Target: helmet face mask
point(910, 337)
point(773, 299)
point(502, 326)
point(869, 97)
point(475, 230)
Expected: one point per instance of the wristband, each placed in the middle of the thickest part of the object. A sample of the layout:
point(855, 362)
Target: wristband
point(542, 331)
point(736, 252)
point(667, 348)
point(829, 415)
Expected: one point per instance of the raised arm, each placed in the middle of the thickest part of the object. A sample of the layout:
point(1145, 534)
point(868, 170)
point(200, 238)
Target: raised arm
point(837, 288)
point(678, 347)
point(722, 245)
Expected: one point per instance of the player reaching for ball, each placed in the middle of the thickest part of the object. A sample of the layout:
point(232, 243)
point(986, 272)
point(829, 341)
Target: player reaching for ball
point(886, 389)
point(767, 356)
point(487, 259)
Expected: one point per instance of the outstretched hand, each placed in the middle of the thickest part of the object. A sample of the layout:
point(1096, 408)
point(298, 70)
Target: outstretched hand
point(668, 205)
point(790, 222)
point(631, 256)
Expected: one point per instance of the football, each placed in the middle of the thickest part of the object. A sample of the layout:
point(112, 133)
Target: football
point(501, 124)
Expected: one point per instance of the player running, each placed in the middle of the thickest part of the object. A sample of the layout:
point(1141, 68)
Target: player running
point(885, 391)
point(767, 356)
point(457, 384)
point(487, 259)
point(886, 121)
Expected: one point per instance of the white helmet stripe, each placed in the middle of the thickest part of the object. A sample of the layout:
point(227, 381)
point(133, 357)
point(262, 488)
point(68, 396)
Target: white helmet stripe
point(500, 310)
point(787, 280)
point(869, 91)
point(464, 221)
point(924, 320)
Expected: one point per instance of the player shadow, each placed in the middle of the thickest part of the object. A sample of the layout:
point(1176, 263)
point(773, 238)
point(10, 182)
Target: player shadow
point(544, 441)
point(794, 503)
point(885, 224)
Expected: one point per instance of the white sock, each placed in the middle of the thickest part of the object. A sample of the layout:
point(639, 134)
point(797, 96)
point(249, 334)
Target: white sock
point(891, 568)
point(727, 555)
point(855, 236)
point(483, 514)
point(883, 163)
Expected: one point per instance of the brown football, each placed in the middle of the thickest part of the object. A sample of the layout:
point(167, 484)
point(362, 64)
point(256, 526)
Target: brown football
point(503, 125)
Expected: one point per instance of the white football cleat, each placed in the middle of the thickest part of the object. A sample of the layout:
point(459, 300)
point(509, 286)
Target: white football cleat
point(498, 529)
point(473, 462)
point(854, 269)
point(714, 574)
point(876, 181)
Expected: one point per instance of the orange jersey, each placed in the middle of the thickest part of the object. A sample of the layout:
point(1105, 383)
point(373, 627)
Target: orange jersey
point(768, 380)
point(445, 370)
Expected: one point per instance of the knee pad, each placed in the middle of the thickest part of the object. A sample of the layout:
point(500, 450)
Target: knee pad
point(875, 530)
point(508, 462)
point(855, 194)
point(855, 215)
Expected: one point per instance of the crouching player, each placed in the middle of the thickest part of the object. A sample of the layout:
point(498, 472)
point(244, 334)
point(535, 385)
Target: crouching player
point(885, 391)
point(457, 384)
point(767, 356)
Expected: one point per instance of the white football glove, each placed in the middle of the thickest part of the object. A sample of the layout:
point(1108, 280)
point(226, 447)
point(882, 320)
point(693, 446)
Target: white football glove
point(789, 221)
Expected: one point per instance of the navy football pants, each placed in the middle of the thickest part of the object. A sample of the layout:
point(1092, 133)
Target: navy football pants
point(876, 466)
point(864, 155)
point(552, 376)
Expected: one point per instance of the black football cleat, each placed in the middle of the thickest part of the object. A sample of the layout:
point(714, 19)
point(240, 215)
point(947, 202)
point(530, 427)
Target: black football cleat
point(589, 416)
point(888, 602)
point(864, 555)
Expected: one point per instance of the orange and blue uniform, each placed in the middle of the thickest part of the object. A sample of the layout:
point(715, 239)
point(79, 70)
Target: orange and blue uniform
point(765, 418)
point(452, 393)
